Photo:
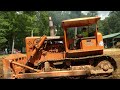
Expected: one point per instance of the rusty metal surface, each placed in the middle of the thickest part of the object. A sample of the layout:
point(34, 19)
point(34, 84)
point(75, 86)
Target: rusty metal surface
point(60, 74)
point(14, 56)
point(9, 69)
point(52, 74)
point(6, 69)
point(12, 62)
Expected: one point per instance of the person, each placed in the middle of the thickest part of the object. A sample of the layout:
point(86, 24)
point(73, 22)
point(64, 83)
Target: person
point(79, 36)
point(6, 51)
point(83, 34)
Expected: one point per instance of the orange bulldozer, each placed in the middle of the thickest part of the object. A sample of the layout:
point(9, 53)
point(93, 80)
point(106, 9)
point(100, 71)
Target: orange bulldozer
point(62, 56)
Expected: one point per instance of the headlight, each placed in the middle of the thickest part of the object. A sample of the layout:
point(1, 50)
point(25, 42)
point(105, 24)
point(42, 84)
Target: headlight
point(101, 43)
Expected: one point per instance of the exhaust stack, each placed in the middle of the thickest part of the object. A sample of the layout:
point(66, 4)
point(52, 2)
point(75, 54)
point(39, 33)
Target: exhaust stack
point(52, 33)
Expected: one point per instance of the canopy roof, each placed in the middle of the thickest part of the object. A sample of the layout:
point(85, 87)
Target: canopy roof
point(77, 22)
point(116, 35)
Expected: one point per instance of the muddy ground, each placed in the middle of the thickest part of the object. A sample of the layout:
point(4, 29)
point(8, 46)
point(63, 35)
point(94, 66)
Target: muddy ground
point(115, 53)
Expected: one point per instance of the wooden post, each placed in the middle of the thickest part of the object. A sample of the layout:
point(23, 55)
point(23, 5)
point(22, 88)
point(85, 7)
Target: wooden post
point(106, 44)
point(75, 36)
point(113, 42)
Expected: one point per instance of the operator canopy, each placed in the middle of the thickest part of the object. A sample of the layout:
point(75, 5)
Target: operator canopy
point(77, 22)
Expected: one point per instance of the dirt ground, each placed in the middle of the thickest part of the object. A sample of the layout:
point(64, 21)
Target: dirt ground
point(115, 53)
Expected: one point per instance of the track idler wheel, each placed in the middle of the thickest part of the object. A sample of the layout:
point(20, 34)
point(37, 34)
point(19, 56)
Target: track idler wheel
point(105, 65)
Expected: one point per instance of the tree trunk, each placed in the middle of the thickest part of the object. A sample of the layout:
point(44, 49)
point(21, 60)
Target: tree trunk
point(13, 44)
point(32, 33)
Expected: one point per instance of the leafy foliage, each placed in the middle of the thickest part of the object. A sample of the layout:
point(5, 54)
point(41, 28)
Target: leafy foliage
point(20, 24)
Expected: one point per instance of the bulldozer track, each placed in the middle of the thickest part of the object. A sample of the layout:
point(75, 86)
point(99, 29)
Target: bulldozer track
point(76, 77)
point(81, 58)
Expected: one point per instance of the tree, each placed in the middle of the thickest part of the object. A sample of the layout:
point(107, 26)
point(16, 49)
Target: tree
point(111, 24)
point(15, 23)
point(42, 23)
point(3, 40)
point(92, 13)
point(114, 21)
point(3, 25)
point(75, 14)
